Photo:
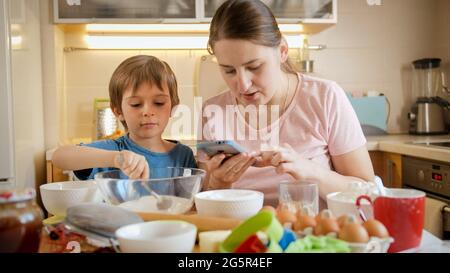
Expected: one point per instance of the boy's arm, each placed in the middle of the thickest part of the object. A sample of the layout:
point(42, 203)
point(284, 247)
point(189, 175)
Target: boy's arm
point(81, 157)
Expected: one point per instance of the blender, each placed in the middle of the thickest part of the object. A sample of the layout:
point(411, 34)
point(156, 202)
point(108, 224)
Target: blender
point(427, 113)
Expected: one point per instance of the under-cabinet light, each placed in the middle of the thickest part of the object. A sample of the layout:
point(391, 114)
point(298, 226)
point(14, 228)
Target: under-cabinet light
point(170, 28)
point(162, 42)
point(291, 28)
point(146, 42)
point(147, 28)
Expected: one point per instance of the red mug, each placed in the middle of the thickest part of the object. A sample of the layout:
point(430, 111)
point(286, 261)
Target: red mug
point(402, 211)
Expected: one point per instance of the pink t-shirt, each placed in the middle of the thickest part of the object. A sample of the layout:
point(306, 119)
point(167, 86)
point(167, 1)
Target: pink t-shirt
point(319, 122)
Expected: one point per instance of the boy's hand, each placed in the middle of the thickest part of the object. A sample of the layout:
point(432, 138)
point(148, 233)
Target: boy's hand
point(135, 166)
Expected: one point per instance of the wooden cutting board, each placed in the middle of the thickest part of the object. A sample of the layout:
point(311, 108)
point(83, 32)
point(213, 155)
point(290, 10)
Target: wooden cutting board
point(203, 223)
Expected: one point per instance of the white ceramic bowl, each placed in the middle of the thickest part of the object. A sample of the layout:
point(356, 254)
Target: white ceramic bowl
point(163, 236)
point(59, 196)
point(231, 203)
point(341, 203)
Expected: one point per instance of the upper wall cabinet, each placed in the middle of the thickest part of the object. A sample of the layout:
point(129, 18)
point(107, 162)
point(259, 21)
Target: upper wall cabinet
point(290, 11)
point(184, 11)
point(120, 11)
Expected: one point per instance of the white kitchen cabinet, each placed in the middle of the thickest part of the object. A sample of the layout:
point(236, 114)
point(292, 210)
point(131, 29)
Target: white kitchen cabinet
point(183, 11)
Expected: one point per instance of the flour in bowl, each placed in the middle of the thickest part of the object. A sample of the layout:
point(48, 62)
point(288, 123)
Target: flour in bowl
point(148, 204)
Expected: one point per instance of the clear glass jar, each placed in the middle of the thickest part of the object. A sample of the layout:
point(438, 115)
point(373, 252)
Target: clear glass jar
point(20, 221)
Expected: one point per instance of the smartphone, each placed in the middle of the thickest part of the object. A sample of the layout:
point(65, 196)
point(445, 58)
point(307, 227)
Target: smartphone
point(227, 147)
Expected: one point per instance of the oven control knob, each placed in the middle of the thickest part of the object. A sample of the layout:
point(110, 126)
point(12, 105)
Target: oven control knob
point(421, 176)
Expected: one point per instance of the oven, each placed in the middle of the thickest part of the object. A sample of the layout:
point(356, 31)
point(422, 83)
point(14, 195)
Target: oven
point(433, 178)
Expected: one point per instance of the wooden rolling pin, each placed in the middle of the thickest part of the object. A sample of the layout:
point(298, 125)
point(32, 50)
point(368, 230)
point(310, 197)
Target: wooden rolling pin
point(203, 223)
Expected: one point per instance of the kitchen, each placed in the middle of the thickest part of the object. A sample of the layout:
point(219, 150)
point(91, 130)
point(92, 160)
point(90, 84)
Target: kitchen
point(365, 46)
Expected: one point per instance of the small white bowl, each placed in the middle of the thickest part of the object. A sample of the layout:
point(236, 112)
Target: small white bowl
point(58, 197)
point(231, 203)
point(341, 203)
point(162, 236)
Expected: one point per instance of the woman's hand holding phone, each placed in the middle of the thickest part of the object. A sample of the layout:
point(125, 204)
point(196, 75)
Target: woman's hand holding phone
point(223, 173)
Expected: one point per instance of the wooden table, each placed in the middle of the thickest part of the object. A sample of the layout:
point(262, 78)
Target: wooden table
point(57, 242)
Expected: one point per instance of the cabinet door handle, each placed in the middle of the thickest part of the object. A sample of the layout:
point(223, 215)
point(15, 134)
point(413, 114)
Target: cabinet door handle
point(390, 164)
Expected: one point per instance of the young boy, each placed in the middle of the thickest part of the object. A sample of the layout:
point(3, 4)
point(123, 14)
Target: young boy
point(143, 91)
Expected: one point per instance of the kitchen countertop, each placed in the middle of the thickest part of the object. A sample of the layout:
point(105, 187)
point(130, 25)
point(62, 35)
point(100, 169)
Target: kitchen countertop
point(403, 144)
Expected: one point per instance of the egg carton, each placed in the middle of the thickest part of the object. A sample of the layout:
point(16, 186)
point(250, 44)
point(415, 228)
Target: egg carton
point(374, 245)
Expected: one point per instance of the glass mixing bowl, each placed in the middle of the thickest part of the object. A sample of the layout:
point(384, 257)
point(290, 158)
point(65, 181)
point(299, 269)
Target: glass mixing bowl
point(168, 190)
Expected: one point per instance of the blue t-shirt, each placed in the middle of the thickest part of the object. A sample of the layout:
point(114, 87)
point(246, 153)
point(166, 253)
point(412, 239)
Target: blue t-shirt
point(180, 155)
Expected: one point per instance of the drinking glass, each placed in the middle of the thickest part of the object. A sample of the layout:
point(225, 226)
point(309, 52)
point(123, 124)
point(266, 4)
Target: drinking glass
point(297, 196)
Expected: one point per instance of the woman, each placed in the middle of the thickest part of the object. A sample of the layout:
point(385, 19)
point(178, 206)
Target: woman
point(320, 136)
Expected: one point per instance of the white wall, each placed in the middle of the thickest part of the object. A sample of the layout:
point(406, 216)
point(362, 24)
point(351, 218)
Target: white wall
point(52, 38)
point(442, 36)
point(28, 98)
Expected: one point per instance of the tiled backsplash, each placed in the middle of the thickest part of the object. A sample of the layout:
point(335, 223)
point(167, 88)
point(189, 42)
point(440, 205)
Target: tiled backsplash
point(370, 48)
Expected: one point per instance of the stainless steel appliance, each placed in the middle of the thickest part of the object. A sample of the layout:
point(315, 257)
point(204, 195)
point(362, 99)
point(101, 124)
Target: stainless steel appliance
point(427, 113)
point(105, 122)
point(433, 178)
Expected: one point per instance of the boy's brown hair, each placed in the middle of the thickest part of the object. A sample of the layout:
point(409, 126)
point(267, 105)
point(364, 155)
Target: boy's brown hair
point(137, 70)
